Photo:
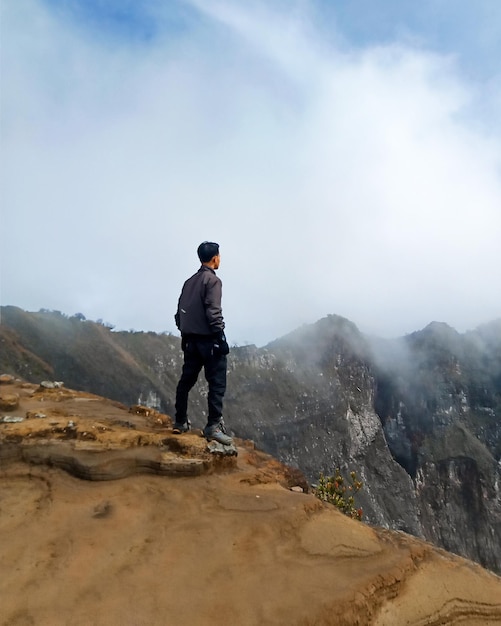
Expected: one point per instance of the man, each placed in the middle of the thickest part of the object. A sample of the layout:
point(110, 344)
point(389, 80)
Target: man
point(200, 319)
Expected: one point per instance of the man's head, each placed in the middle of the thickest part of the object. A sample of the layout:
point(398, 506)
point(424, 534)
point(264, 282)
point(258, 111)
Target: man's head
point(208, 253)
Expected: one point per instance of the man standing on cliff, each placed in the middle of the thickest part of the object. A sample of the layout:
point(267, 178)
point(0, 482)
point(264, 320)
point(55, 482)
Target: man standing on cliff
point(199, 317)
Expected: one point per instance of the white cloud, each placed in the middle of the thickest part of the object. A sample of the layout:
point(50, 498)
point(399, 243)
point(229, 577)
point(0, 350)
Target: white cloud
point(353, 182)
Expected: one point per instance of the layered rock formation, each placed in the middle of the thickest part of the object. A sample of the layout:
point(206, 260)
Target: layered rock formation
point(189, 535)
point(97, 439)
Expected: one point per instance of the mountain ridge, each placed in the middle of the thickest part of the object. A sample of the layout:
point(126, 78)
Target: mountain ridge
point(418, 418)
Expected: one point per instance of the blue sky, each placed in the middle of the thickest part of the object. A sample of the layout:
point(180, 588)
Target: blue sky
point(124, 22)
point(346, 155)
point(470, 31)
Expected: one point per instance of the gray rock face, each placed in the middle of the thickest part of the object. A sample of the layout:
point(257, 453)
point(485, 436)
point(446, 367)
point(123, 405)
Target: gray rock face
point(460, 508)
point(312, 405)
point(440, 404)
point(419, 420)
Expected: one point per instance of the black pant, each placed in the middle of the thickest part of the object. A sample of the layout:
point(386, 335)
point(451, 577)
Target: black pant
point(200, 353)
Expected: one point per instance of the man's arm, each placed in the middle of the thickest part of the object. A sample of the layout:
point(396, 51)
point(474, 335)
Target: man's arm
point(212, 302)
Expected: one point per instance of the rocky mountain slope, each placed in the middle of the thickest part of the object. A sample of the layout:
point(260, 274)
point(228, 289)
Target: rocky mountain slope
point(167, 529)
point(418, 418)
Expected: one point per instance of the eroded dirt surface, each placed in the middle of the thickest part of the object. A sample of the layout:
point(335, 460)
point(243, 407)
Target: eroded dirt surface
point(226, 544)
point(97, 439)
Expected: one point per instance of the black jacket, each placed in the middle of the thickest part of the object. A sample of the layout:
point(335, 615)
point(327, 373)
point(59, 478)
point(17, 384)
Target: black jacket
point(199, 308)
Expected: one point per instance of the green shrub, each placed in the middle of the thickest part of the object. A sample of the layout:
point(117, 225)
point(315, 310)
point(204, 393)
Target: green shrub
point(334, 490)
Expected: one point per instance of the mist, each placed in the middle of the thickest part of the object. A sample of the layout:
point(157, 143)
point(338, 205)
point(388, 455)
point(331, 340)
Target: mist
point(358, 179)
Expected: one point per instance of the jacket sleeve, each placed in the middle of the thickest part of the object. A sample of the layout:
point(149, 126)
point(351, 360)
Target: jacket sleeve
point(212, 302)
point(177, 317)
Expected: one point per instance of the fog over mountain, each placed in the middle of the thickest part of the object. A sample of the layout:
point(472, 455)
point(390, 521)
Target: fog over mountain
point(346, 160)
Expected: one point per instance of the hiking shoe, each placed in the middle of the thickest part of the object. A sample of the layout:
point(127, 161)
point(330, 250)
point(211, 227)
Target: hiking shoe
point(181, 427)
point(217, 432)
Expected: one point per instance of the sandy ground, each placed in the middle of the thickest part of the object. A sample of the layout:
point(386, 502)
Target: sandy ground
point(232, 545)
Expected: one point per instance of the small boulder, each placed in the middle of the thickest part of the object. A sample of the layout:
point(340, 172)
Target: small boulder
point(35, 415)
point(6, 379)
point(9, 401)
point(214, 447)
point(49, 384)
point(139, 409)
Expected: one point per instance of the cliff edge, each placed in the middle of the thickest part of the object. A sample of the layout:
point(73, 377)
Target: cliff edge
point(107, 518)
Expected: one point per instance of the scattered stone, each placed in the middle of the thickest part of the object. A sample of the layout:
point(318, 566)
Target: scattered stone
point(35, 415)
point(10, 419)
point(6, 379)
point(297, 489)
point(88, 436)
point(102, 428)
point(49, 384)
point(103, 509)
point(139, 409)
point(214, 447)
point(9, 401)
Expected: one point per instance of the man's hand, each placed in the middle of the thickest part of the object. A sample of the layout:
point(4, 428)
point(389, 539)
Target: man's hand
point(220, 344)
